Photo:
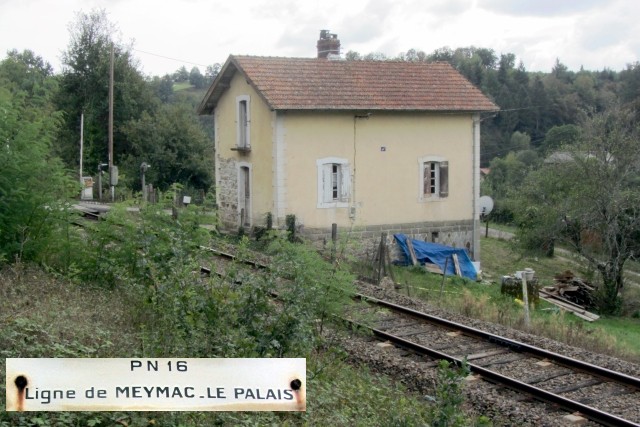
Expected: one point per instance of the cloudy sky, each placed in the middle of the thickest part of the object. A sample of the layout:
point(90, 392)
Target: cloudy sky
point(170, 33)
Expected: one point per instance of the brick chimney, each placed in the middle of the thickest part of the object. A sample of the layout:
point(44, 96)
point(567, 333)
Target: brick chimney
point(328, 44)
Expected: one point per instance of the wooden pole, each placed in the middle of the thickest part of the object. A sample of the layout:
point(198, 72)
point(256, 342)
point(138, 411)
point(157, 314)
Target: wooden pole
point(444, 274)
point(334, 239)
point(112, 188)
point(381, 256)
point(525, 299)
point(81, 147)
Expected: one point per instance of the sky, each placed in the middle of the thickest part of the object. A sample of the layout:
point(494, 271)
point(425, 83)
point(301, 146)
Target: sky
point(168, 34)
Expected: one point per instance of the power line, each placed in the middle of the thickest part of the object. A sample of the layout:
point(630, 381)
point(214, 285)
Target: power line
point(172, 59)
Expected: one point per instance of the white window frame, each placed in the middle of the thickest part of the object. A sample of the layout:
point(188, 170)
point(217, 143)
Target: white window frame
point(334, 175)
point(243, 122)
point(438, 194)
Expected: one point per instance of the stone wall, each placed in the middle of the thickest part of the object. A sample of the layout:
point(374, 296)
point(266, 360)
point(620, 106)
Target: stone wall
point(363, 241)
point(227, 193)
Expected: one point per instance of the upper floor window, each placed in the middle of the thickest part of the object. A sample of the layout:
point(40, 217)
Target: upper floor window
point(434, 178)
point(334, 181)
point(243, 120)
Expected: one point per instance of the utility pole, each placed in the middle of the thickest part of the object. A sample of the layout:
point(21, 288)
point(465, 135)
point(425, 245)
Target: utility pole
point(81, 146)
point(111, 177)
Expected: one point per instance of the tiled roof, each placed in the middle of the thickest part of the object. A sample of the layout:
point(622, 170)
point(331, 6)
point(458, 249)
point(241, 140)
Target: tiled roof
point(321, 84)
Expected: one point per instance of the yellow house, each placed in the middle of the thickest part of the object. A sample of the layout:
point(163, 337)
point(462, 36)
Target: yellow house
point(371, 146)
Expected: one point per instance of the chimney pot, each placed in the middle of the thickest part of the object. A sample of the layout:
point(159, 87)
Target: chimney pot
point(328, 44)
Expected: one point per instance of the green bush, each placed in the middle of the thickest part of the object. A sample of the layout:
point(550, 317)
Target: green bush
point(34, 186)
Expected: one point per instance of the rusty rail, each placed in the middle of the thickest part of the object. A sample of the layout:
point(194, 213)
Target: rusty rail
point(593, 414)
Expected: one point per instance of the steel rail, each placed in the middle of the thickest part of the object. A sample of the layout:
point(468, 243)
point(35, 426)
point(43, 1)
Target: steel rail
point(514, 345)
point(593, 414)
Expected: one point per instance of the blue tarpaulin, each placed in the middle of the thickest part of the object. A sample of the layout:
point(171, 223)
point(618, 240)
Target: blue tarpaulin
point(438, 254)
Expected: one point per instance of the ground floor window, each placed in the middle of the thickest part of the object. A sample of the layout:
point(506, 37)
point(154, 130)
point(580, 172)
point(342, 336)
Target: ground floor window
point(434, 178)
point(334, 181)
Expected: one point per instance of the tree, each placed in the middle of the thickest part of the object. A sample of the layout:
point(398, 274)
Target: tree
point(558, 137)
point(196, 78)
point(181, 74)
point(163, 88)
point(84, 89)
point(176, 146)
point(34, 186)
point(591, 200)
point(31, 74)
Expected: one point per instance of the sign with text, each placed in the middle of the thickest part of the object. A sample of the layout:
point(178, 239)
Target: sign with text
point(156, 384)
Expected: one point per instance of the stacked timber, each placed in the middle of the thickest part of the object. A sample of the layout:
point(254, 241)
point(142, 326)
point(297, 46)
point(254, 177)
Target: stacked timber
point(571, 293)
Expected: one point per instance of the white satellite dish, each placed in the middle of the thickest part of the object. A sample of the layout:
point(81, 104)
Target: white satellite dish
point(485, 204)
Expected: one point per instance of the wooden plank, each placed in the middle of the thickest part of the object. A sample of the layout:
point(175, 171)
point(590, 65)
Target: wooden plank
point(433, 268)
point(583, 314)
point(456, 264)
point(562, 300)
point(412, 253)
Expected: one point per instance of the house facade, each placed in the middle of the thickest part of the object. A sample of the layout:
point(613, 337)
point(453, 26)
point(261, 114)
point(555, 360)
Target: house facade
point(371, 146)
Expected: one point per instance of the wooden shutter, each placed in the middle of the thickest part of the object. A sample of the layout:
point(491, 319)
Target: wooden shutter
point(426, 178)
point(444, 179)
point(326, 182)
point(345, 181)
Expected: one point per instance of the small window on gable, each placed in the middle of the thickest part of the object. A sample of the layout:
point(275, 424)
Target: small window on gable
point(243, 120)
point(333, 182)
point(434, 178)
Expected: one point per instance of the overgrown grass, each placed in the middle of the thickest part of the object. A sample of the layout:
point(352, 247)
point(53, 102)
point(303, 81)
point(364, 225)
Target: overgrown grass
point(143, 296)
point(47, 317)
point(483, 300)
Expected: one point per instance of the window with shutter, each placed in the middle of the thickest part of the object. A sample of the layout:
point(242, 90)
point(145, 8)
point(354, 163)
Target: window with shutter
point(333, 182)
point(243, 123)
point(443, 191)
point(434, 178)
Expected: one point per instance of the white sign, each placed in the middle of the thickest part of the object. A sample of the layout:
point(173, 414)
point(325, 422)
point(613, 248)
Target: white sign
point(156, 384)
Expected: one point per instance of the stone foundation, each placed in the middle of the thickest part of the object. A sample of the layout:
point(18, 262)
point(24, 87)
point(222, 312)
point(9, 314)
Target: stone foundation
point(363, 241)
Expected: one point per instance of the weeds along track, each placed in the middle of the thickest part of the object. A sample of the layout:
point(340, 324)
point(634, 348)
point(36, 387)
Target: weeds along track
point(518, 378)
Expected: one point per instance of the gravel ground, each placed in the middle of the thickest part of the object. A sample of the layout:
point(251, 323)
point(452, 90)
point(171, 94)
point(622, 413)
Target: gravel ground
point(503, 406)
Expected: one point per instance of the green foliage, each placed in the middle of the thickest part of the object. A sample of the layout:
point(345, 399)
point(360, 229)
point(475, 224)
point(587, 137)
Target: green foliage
point(560, 136)
point(151, 124)
point(290, 222)
point(589, 199)
point(449, 397)
point(174, 144)
point(34, 186)
point(316, 291)
point(143, 250)
point(84, 88)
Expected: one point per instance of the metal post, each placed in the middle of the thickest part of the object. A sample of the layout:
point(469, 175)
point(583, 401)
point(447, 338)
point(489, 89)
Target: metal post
point(101, 167)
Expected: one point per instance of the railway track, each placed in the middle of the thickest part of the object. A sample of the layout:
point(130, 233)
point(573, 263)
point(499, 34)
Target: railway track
point(602, 395)
point(572, 384)
point(580, 389)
